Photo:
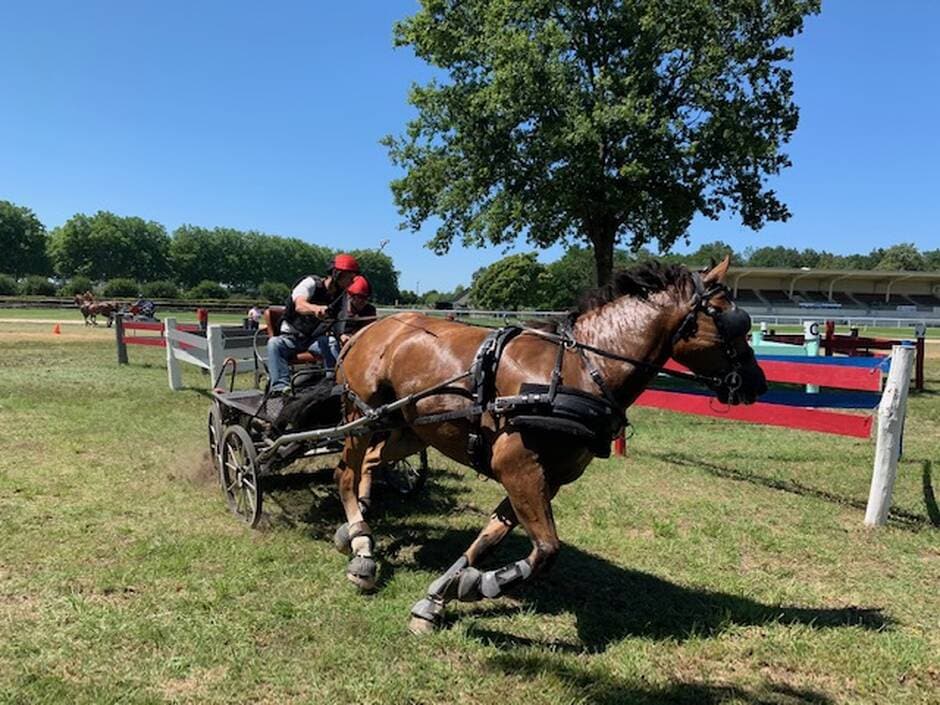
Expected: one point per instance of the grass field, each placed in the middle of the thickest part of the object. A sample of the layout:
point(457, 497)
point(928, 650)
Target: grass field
point(718, 563)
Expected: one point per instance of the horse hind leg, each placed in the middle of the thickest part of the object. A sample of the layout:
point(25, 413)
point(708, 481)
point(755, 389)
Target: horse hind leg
point(355, 536)
point(396, 445)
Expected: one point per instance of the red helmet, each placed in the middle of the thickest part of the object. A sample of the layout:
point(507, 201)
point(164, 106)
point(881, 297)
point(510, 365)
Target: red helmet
point(345, 263)
point(359, 287)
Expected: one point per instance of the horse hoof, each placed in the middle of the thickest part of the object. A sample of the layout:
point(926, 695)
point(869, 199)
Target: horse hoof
point(361, 573)
point(342, 541)
point(363, 584)
point(420, 626)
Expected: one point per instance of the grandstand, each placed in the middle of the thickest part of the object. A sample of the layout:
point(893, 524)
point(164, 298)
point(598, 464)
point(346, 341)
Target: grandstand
point(785, 291)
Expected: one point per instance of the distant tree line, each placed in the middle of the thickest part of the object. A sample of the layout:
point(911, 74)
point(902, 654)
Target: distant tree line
point(122, 256)
point(520, 281)
point(127, 256)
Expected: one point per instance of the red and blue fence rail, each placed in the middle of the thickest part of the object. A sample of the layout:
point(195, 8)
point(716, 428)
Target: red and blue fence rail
point(790, 408)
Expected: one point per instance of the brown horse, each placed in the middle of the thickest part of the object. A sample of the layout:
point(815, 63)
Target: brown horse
point(618, 341)
point(91, 309)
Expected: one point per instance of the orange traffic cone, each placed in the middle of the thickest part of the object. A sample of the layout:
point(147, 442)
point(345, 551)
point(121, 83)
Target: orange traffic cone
point(56, 329)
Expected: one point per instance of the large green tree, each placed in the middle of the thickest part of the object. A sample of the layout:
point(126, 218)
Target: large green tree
point(22, 241)
point(105, 246)
point(903, 256)
point(617, 120)
point(242, 260)
point(932, 260)
point(510, 283)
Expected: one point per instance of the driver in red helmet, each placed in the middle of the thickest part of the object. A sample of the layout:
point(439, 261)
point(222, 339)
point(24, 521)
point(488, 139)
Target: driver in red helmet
point(361, 312)
point(313, 307)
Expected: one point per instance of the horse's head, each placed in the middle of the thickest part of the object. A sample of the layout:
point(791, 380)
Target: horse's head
point(712, 340)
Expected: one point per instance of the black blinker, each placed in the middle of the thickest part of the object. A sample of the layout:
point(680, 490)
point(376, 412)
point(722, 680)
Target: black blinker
point(733, 323)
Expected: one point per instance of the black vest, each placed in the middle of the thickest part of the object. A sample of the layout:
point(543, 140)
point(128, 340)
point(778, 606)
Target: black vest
point(311, 326)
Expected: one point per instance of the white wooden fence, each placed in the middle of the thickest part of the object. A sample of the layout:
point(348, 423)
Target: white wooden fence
point(209, 352)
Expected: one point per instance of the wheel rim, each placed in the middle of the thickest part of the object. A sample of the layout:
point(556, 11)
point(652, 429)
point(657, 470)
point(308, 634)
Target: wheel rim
point(239, 476)
point(215, 436)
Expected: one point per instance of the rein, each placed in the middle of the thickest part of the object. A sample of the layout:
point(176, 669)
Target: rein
point(568, 342)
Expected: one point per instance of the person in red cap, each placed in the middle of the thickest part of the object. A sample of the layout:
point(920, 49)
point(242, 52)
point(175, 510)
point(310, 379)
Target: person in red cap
point(314, 307)
point(361, 312)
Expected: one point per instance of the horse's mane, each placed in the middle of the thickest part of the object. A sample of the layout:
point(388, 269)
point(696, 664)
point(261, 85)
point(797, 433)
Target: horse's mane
point(639, 281)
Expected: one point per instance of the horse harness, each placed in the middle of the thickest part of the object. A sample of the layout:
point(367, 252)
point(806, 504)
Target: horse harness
point(594, 419)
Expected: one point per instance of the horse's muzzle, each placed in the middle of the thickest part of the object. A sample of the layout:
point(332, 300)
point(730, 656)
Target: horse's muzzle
point(742, 384)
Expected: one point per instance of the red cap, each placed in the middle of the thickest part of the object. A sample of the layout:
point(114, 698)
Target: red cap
point(345, 263)
point(359, 287)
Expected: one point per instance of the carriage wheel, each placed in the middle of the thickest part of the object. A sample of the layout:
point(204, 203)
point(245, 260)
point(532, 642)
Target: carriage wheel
point(239, 475)
point(408, 476)
point(215, 435)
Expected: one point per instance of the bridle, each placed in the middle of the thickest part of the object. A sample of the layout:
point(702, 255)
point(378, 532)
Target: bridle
point(731, 323)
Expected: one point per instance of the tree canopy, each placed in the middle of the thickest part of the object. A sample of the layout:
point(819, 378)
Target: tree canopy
point(510, 283)
point(105, 246)
point(23, 241)
point(566, 120)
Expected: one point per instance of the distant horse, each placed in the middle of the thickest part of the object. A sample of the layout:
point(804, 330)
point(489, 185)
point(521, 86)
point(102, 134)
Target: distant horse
point(91, 308)
point(602, 359)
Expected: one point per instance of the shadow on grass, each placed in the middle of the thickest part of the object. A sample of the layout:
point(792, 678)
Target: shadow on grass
point(309, 499)
point(609, 602)
point(930, 499)
point(598, 687)
point(899, 518)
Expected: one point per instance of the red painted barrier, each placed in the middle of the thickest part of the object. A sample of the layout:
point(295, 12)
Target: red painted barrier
point(806, 419)
point(838, 423)
point(855, 345)
point(157, 341)
point(822, 374)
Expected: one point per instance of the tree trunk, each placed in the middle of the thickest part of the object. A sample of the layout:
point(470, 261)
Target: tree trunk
point(603, 243)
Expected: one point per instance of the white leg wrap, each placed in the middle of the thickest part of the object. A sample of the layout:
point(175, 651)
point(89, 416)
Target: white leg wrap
point(362, 546)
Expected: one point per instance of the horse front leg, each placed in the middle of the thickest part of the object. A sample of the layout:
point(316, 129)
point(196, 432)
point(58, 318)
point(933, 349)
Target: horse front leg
point(529, 500)
point(427, 612)
point(355, 537)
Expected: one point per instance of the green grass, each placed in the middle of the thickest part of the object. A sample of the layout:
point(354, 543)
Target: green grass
point(717, 563)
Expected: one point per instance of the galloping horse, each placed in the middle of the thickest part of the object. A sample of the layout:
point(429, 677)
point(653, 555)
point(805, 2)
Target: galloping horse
point(603, 358)
point(91, 309)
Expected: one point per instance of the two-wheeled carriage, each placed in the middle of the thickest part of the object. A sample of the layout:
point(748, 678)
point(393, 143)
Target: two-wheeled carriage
point(254, 435)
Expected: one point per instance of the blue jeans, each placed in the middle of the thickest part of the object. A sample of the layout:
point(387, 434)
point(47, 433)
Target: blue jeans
point(281, 348)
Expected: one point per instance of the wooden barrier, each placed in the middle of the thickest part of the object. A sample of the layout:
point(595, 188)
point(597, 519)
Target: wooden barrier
point(801, 410)
point(855, 345)
point(183, 346)
point(792, 411)
point(209, 353)
point(127, 332)
point(891, 413)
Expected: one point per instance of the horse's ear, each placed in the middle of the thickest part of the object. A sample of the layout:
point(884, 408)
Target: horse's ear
point(716, 274)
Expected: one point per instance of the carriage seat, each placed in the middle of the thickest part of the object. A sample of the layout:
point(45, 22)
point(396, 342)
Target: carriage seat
point(272, 321)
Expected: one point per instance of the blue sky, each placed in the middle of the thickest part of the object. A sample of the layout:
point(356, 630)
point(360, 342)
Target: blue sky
point(268, 116)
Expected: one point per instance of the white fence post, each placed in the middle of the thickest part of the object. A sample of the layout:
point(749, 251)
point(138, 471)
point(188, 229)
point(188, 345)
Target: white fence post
point(216, 352)
point(811, 347)
point(172, 364)
point(891, 413)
